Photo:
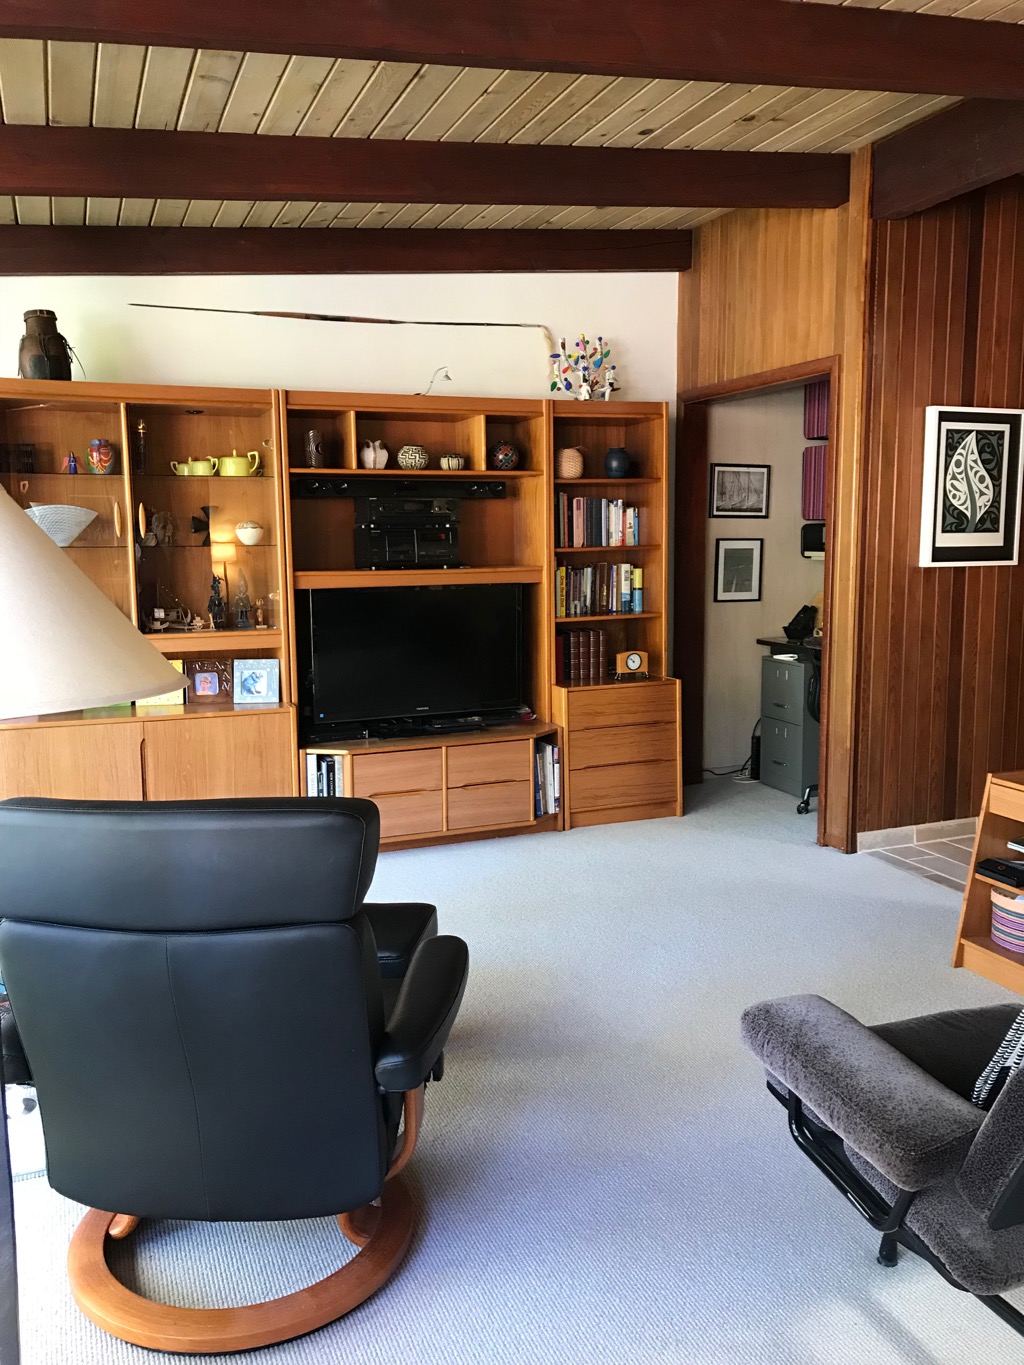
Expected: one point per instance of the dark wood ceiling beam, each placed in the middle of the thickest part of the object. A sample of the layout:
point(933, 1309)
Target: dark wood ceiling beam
point(768, 41)
point(115, 162)
point(961, 149)
point(330, 251)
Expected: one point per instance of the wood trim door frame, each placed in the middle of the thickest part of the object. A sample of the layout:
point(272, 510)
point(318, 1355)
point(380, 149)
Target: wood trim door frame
point(835, 808)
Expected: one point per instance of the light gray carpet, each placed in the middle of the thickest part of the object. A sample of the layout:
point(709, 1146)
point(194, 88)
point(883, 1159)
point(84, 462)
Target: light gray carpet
point(603, 1176)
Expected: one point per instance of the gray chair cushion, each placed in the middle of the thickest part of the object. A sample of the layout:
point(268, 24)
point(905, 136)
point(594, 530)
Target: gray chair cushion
point(954, 1046)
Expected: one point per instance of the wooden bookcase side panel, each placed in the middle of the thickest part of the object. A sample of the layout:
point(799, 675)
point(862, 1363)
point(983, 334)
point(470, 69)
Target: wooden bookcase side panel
point(1000, 819)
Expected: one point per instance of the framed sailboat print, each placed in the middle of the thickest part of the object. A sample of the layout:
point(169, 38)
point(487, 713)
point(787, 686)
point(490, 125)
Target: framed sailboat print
point(970, 508)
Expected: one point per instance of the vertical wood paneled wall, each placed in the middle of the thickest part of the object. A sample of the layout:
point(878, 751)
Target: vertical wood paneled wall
point(941, 686)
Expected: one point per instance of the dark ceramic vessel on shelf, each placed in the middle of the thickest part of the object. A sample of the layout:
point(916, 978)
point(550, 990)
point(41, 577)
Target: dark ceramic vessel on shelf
point(43, 353)
point(616, 463)
point(503, 455)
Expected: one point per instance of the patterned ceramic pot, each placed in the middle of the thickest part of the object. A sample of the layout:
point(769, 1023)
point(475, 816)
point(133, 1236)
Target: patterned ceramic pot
point(503, 456)
point(569, 463)
point(452, 462)
point(412, 457)
point(101, 456)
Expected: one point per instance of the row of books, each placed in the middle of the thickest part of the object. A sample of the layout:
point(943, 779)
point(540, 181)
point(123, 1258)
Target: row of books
point(580, 522)
point(581, 657)
point(324, 775)
point(547, 778)
point(599, 590)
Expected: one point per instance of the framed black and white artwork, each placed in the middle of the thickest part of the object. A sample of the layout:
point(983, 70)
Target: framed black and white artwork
point(970, 508)
point(739, 490)
point(738, 570)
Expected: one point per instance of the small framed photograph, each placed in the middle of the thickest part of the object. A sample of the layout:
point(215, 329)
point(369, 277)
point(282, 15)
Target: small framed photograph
point(176, 698)
point(970, 506)
point(209, 680)
point(738, 570)
point(257, 682)
point(739, 490)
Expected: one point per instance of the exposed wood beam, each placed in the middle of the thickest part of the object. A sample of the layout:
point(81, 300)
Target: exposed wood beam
point(329, 251)
point(961, 149)
point(115, 162)
point(762, 41)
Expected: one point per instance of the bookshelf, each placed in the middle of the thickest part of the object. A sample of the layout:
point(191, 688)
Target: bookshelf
point(619, 743)
point(1000, 819)
point(622, 743)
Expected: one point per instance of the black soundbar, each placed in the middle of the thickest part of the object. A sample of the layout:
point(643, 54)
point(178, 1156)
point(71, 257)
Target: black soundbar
point(337, 486)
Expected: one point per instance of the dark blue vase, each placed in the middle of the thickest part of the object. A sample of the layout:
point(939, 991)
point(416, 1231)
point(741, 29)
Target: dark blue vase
point(616, 463)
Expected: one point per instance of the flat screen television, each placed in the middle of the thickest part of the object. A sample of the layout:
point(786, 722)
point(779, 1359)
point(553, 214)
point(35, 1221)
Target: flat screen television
point(397, 660)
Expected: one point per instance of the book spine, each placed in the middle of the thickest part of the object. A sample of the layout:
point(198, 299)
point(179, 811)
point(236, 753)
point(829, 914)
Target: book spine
point(557, 752)
point(549, 780)
point(538, 801)
point(584, 657)
point(595, 657)
point(578, 523)
point(574, 645)
point(638, 589)
point(321, 775)
point(627, 587)
point(311, 774)
point(602, 656)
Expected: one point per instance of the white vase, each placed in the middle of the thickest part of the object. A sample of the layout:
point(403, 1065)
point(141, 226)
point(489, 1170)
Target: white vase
point(373, 455)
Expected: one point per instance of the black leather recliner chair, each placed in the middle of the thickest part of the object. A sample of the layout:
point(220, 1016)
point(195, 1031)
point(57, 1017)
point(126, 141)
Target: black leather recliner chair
point(213, 965)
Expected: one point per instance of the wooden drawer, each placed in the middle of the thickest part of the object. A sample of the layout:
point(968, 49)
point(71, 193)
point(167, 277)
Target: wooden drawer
point(621, 744)
point(596, 707)
point(506, 761)
point(623, 784)
point(399, 772)
point(409, 813)
point(1007, 801)
point(490, 803)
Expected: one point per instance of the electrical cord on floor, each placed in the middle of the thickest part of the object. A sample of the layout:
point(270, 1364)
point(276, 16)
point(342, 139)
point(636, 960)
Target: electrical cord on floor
point(740, 774)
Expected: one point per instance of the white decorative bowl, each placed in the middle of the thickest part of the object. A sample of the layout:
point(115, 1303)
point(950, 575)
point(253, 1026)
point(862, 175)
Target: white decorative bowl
point(62, 522)
point(249, 532)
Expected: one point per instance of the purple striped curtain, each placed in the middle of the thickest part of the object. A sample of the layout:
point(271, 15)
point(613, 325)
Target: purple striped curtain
point(816, 410)
point(813, 501)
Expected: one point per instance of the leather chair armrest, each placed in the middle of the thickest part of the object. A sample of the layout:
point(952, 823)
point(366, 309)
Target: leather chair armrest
point(908, 1125)
point(424, 1013)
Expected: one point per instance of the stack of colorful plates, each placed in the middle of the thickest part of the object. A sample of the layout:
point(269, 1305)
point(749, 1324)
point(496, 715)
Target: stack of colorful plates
point(1008, 921)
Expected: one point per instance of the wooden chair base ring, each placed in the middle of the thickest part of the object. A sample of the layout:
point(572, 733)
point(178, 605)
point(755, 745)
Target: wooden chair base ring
point(383, 1236)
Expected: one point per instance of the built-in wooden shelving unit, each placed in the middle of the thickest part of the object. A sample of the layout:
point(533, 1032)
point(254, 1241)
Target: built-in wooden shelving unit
point(1000, 820)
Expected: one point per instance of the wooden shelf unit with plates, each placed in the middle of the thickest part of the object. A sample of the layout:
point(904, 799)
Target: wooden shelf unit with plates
point(1000, 820)
point(622, 748)
point(175, 752)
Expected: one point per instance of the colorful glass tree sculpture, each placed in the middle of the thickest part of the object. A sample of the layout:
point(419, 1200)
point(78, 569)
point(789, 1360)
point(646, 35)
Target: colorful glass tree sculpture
point(583, 371)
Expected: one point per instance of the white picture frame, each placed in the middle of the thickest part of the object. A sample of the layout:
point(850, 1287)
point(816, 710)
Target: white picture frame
point(971, 490)
point(257, 682)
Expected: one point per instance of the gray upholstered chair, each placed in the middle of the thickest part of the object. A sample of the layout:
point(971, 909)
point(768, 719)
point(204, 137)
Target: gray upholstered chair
point(885, 1113)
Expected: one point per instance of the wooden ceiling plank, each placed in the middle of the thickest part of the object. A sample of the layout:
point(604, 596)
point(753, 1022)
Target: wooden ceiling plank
point(640, 110)
point(232, 213)
point(31, 251)
point(716, 125)
point(322, 215)
point(32, 208)
point(68, 210)
point(675, 116)
point(348, 216)
point(102, 212)
point(375, 99)
point(169, 213)
point(911, 110)
point(502, 91)
point(958, 150)
point(459, 215)
point(7, 214)
point(164, 81)
point(22, 80)
point(417, 99)
point(818, 109)
point(209, 87)
point(201, 213)
point(829, 130)
point(433, 215)
point(772, 43)
point(294, 213)
point(534, 101)
point(302, 81)
point(605, 102)
point(465, 89)
point(380, 216)
point(785, 109)
point(135, 212)
point(69, 83)
point(408, 216)
point(118, 80)
point(263, 213)
point(335, 98)
point(254, 87)
point(560, 111)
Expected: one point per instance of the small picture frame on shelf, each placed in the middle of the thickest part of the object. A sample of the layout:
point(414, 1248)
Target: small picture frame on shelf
point(738, 570)
point(257, 682)
point(739, 490)
point(175, 698)
point(209, 680)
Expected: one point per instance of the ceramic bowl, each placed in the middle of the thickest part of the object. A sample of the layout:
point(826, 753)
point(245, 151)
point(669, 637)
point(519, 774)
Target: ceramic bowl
point(249, 532)
point(62, 522)
point(412, 457)
point(453, 462)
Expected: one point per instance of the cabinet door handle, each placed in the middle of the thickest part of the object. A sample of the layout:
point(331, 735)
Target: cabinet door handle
point(779, 763)
point(142, 766)
point(782, 705)
point(117, 519)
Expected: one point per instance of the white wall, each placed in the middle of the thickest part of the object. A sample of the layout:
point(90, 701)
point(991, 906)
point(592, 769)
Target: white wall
point(141, 345)
point(757, 429)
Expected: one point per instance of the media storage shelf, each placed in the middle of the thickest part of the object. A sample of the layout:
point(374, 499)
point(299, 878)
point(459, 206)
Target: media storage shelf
point(416, 578)
point(215, 641)
point(1000, 820)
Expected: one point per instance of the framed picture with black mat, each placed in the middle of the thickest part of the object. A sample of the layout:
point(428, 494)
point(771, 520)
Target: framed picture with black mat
point(739, 490)
point(738, 566)
point(970, 505)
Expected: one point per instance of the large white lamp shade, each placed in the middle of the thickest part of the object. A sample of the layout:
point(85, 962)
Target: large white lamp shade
point(72, 648)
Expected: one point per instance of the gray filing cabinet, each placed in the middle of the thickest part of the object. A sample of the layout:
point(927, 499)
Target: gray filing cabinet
point(789, 734)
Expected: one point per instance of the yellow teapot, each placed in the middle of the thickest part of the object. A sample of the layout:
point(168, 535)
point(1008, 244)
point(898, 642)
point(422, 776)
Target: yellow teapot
point(240, 466)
